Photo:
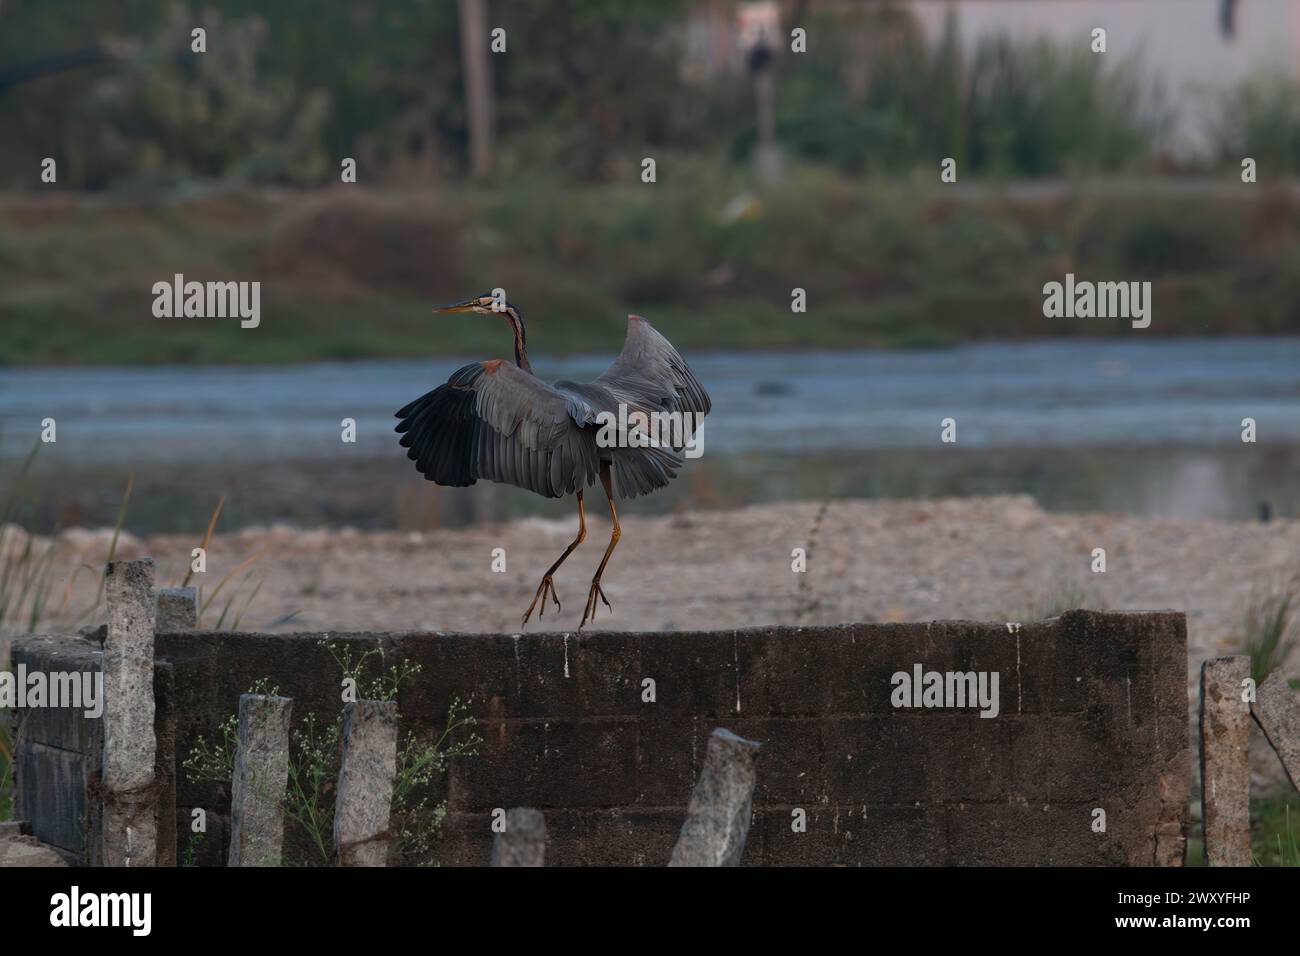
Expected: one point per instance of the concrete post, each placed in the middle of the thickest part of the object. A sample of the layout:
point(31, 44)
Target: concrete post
point(260, 777)
point(1277, 711)
point(524, 841)
point(1225, 761)
point(365, 790)
point(130, 802)
point(178, 609)
point(717, 820)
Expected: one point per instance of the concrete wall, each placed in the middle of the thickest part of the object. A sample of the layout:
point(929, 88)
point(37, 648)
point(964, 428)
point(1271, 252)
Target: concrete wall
point(1093, 714)
point(58, 753)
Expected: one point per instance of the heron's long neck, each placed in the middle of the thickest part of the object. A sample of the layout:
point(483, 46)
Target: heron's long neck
point(521, 339)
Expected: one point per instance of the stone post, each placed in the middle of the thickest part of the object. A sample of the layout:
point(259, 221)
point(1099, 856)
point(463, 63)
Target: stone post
point(178, 609)
point(130, 802)
point(524, 841)
point(365, 790)
point(261, 775)
point(717, 820)
point(1225, 761)
point(1277, 711)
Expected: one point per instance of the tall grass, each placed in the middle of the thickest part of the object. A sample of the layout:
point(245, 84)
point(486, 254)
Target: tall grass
point(24, 570)
point(1006, 107)
point(28, 580)
point(16, 580)
point(27, 568)
point(1275, 831)
point(205, 603)
point(1260, 118)
point(1270, 634)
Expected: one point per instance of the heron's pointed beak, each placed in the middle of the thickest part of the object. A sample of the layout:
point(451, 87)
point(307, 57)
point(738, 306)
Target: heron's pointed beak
point(466, 306)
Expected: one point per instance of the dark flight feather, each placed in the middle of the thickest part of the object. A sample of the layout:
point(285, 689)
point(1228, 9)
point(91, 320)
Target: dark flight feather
point(495, 421)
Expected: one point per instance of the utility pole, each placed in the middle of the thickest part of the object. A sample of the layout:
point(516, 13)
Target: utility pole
point(759, 32)
point(478, 84)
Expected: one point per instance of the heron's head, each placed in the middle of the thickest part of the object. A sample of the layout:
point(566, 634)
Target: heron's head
point(486, 304)
point(489, 304)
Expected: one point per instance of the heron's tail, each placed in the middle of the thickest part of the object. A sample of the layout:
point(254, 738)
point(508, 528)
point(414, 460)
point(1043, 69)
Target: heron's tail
point(639, 471)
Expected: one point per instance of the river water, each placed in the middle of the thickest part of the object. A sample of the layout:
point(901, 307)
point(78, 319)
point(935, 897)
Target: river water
point(1149, 426)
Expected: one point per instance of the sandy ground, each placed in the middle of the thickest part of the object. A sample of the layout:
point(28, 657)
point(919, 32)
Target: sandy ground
point(996, 558)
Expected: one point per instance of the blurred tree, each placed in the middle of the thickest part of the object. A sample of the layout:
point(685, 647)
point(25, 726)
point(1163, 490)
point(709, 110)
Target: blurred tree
point(156, 110)
point(590, 84)
point(478, 84)
point(1260, 118)
point(586, 89)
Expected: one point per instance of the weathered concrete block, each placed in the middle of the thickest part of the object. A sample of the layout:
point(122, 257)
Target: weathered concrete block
point(1225, 761)
point(178, 609)
point(717, 820)
point(590, 764)
point(58, 752)
point(524, 841)
point(260, 777)
point(365, 790)
point(1093, 712)
point(130, 747)
point(1277, 710)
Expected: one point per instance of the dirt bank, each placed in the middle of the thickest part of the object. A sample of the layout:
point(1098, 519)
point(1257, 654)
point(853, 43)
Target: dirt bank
point(986, 558)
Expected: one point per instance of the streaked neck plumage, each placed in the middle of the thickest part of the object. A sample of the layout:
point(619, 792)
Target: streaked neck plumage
point(521, 339)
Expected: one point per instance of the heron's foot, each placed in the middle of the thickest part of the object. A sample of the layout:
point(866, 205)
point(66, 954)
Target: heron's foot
point(546, 587)
point(590, 613)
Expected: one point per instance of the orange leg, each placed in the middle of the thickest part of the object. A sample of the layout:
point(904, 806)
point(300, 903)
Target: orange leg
point(596, 592)
point(548, 586)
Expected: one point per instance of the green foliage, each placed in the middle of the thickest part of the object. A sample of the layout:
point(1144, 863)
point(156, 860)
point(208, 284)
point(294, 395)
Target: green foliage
point(601, 84)
point(1010, 108)
point(313, 772)
point(286, 89)
point(1260, 118)
point(215, 762)
point(1270, 633)
point(315, 751)
point(1275, 831)
point(416, 817)
point(189, 857)
point(285, 85)
point(211, 115)
point(709, 260)
point(384, 685)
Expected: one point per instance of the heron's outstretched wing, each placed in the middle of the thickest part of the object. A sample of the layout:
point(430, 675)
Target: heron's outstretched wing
point(650, 373)
point(651, 377)
point(493, 420)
